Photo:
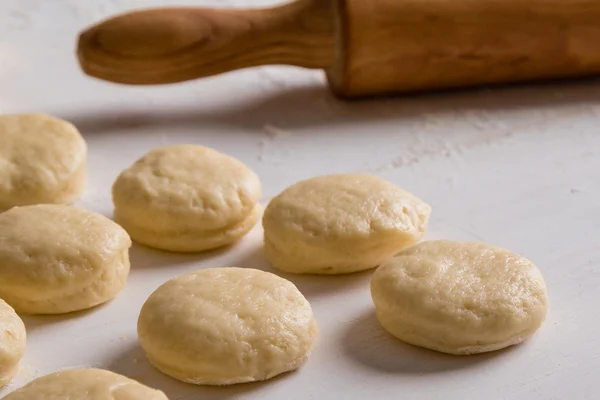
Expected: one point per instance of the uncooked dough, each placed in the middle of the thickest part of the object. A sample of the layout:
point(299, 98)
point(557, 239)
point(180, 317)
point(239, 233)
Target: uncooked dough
point(223, 326)
point(340, 224)
point(459, 298)
point(85, 384)
point(42, 160)
point(12, 342)
point(59, 258)
point(187, 198)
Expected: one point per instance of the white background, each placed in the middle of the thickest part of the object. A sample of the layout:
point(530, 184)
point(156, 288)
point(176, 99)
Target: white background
point(516, 167)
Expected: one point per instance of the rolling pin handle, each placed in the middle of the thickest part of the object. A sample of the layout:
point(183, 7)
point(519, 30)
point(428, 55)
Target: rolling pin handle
point(171, 45)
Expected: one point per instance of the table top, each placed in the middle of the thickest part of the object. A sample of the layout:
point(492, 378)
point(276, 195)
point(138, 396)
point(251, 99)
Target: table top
point(518, 167)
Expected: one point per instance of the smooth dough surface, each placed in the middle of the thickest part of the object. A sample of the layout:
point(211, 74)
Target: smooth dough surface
point(58, 258)
point(459, 297)
point(42, 160)
point(340, 224)
point(187, 198)
point(85, 384)
point(12, 342)
point(223, 326)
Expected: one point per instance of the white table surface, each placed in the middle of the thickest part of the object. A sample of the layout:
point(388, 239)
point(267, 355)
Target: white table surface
point(516, 167)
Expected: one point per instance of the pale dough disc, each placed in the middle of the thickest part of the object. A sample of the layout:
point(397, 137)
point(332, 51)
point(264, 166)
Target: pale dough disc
point(58, 258)
point(42, 160)
point(226, 325)
point(12, 342)
point(459, 298)
point(340, 224)
point(85, 384)
point(187, 198)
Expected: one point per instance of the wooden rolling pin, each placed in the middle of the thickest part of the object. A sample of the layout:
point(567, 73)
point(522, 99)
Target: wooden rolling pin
point(366, 47)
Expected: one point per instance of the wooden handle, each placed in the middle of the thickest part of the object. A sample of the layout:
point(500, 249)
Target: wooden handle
point(177, 44)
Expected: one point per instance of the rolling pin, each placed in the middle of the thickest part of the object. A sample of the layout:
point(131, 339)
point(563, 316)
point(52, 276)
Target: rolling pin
point(366, 47)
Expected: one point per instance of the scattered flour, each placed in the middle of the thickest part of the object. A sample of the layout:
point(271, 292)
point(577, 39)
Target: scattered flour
point(274, 132)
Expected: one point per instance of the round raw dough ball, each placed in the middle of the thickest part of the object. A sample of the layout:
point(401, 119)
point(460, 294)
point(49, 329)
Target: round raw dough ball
point(340, 224)
point(85, 384)
point(12, 342)
point(187, 198)
point(58, 258)
point(42, 160)
point(223, 326)
point(459, 298)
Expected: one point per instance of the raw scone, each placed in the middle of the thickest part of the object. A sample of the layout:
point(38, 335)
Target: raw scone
point(187, 198)
point(459, 298)
point(85, 384)
point(340, 224)
point(57, 258)
point(226, 325)
point(12, 342)
point(42, 160)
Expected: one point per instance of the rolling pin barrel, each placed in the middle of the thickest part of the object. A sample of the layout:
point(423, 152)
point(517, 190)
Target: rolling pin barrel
point(397, 46)
point(366, 47)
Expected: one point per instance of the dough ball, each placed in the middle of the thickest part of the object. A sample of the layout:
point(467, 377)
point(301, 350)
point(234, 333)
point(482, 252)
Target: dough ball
point(340, 224)
point(57, 259)
point(226, 325)
point(12, 342)
point(187, 198)
point(459, 298)
point(85, 384)
point(42, 160)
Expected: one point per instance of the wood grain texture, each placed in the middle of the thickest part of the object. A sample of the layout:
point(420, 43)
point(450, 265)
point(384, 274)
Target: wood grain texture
point(368, 48)
point(396, 46)
point(177, 44)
